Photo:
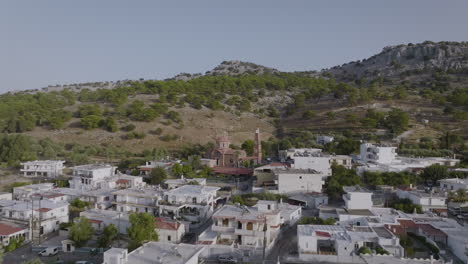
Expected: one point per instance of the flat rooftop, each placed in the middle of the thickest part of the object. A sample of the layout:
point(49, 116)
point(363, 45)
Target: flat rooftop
point(355, 188)
point(163, 253)
point(362, 212)
point(90, 167)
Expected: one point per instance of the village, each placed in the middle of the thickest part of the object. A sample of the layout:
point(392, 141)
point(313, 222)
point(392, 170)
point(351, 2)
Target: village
point(275, 211)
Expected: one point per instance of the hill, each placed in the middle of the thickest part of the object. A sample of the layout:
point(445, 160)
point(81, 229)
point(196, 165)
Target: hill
point(412, 94)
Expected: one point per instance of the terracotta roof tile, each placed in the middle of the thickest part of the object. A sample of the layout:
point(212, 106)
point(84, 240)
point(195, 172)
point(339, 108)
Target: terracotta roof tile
point(162, 223)
point(6, 229)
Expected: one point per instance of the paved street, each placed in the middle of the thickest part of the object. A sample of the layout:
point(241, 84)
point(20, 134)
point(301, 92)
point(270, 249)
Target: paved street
point(285, 244)
point(25, 253)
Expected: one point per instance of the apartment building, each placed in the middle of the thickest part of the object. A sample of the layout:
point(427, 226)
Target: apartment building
point(42, 168)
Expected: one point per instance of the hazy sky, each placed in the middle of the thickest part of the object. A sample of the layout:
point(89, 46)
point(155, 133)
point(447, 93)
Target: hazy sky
point(50, 42)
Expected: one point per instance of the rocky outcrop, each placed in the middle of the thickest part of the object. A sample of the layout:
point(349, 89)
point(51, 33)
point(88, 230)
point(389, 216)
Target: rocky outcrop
point(235, 68)
point(395, 60)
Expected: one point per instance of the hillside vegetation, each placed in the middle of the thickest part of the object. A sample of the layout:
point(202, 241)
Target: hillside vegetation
point(415, 95)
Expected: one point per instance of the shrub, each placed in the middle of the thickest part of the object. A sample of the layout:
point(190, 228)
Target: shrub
point(129, 127)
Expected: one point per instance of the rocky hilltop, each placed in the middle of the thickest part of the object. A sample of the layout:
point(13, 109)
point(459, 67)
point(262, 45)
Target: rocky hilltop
point(235, 68)
point(411, 58)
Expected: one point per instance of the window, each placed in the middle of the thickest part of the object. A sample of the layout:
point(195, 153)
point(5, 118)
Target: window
point(300, 177)
point(225, 222)
point(168, 238)
point(239, 225)
point(269, 207)
point(249, 226)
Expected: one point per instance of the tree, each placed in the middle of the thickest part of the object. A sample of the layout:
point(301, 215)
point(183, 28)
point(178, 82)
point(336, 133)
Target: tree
point(142, 229)
point(158, 175)
point(248, 147)
point(309, 114)
point(433, 173)
point(340, 177)
point(109, 124)
point(177, 170)
point(108, 235)
point(90, 122)
point(81, 231)
point(397, 121)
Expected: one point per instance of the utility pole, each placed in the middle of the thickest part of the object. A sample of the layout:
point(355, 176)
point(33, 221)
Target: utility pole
point(40, 219)
point(265, 228)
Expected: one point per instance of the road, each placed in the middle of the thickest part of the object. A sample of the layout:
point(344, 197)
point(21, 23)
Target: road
point(285, 244)
point(25, 253)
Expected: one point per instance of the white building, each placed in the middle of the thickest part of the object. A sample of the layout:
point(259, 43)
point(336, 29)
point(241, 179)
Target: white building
point(9, 230)
point(343, 241)
point(385, 159)
point(298, 181)
point(322, 140)
point(100, 199)
point(356, 197)
point(169, 230)
point(289, 214)
point(290, 153)
point(453, 184)
point(6, 196)
point(310, 200)
point(193, 203)
point(42, 168)
point(305, 159)
point(244, 227)
point(174, 183)
point(155, 252)
point(92, 177)
point(377, 153)
point(47, 214)
point(99, 219)
point(144, 200)
point(427, 200)
point(146, 169)
point(24, 192)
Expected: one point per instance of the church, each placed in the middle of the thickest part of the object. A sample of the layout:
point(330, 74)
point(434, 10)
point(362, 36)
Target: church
point(225, 156)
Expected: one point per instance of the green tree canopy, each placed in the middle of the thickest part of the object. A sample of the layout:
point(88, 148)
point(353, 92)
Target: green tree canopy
point(141, 230)
point(158, 175)
point(81, 232)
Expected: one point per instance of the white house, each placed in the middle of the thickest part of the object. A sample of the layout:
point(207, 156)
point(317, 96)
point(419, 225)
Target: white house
point(146, 169)
point(377, 153)
point(24, 192)
point(298, 181)
point(384, 159)
point(322, 140)
point(245, 227)
point(42, 168)
point(290, 153)
point(92, 177)
point(289, 214)
point(99, 219)
point(6, 196)
point(9, 230)
point(356, 197)
point(47, 214)
point(169, 230)
point(343, 241)
point(193, 203)
point(144, 200)
point(427, 200)
point(155, 252)
point(174, 183)
point(453, 184)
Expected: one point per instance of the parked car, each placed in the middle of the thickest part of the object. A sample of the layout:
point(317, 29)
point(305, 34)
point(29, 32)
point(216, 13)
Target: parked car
point(50, 251)
point(227, 259)
point(83, 262)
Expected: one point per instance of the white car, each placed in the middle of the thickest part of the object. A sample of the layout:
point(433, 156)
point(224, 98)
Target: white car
point(50, 251)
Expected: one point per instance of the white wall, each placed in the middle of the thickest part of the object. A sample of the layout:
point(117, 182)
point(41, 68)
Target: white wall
point(358, 200)
point(294, 182)
point(320, 164)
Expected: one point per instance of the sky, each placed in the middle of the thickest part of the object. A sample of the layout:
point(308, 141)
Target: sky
point(52, 42)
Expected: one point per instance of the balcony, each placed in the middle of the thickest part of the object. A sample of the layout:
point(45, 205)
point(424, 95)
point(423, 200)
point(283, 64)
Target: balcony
point(222, 229)
point(245, 232)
